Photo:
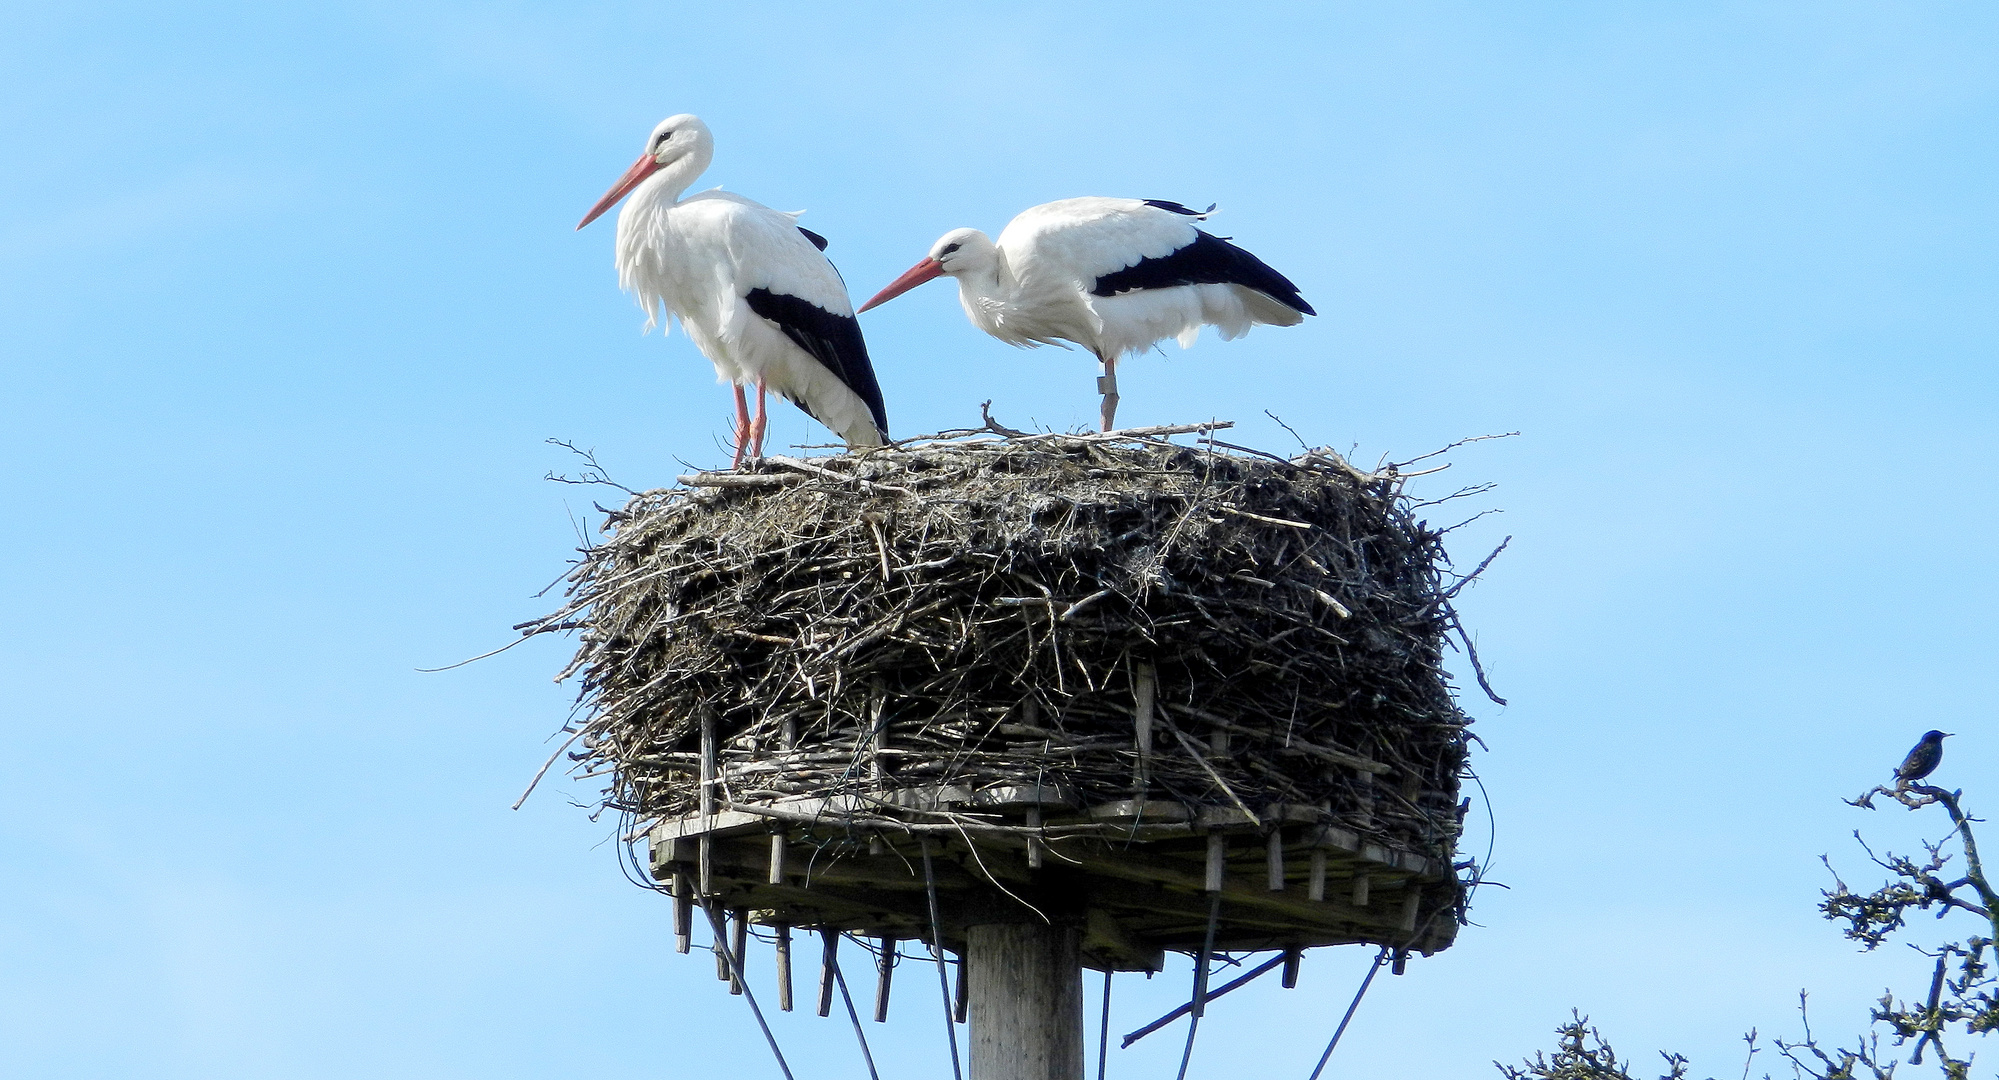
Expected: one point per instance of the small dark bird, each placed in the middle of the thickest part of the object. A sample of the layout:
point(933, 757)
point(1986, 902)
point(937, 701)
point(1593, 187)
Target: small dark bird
point(1923, 759)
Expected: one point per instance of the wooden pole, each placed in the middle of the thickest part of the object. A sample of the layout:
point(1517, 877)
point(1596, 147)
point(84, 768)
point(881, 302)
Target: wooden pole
point(826, 969)
point(1142, 690)
point(784, 967)
point(1025, 984)
point(739, 942)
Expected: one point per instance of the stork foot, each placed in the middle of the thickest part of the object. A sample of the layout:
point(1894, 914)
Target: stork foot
point(1107, 386)
point(757, 426)
point(742, 429)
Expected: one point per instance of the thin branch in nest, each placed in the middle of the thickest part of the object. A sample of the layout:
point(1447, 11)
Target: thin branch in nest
point(1401, 465)
point(593, 473)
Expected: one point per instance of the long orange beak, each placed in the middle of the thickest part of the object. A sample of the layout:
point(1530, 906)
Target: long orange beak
point(911, 278)
point(640, 169)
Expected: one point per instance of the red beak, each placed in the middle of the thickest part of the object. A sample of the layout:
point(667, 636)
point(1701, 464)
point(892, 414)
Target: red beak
point(911, 278)
point(640, 169)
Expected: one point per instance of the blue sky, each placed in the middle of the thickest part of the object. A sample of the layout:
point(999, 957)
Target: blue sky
point(289, 301)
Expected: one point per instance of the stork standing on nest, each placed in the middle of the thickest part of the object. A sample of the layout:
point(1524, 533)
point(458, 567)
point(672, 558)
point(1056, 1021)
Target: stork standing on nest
point(750, 287)
point(1115, 276)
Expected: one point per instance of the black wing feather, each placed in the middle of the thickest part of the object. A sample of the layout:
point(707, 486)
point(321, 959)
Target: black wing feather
point(1209, 260)
point(833, 340)
point(818, 241)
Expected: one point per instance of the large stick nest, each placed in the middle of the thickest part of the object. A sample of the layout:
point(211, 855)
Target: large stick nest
point(968, 613)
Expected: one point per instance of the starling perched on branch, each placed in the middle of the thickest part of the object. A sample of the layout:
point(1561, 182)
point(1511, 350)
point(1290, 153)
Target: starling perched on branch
point(1923, 759)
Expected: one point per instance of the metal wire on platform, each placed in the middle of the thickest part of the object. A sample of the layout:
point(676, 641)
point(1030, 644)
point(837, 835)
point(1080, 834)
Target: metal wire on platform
point(1379, 959)
point(854, 1015)
point(736, 973)
point(1199, 1003)
point(1104, 1030)
point(937, 950)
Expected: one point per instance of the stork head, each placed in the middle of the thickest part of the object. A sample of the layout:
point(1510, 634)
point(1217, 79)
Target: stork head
point(960, 251)
point(680, 144)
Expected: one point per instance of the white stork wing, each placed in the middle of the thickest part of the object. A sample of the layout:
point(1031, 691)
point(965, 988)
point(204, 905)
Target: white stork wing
point(1068, 245)
point(778, 270)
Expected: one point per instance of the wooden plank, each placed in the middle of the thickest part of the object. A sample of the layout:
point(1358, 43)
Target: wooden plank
point(1138, 810)
point(777, 849)
point(1360, 887)
point(1106, 939)
point(1315, 888)
point(1217, 860)
point(1011, 795)
point(1226, 817)
point(1273, 855)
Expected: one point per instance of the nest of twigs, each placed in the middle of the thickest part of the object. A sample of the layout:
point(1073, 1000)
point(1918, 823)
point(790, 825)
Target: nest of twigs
point(968, 613)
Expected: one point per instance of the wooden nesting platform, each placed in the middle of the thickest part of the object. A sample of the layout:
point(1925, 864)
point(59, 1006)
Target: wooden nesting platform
point(1134, 877)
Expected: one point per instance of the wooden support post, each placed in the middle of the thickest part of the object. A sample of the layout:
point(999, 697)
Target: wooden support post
point(720, 947)
point(959, 1013)
point(1026, 990)
point(1360, 889)
point(826, 968)
point(1315, 888)
point(739, 948)
point(707, 801)
point(784, 967)
point(1273, 857)
point(1034, 842)
point(1410, 899)
point(777, 844)
point(683, 912)
point(1292, 957)
point(885, 973)
point(877, 738)
point(1142, 690)
point(1217, 862)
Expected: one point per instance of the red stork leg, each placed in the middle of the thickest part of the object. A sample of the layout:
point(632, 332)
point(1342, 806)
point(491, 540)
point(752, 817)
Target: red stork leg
point(757, 427)
point(742, 427)
point(1107, 386)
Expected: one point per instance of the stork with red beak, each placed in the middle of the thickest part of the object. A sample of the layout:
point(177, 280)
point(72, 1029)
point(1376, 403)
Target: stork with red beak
point(748, 285)
point(1115, 276)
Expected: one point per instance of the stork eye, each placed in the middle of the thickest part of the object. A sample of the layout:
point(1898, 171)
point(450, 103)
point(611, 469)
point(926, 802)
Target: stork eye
point(948, 250)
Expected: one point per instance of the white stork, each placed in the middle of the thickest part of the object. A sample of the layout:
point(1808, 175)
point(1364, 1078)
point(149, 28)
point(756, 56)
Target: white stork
point(1115, 276)
point(751, 288)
